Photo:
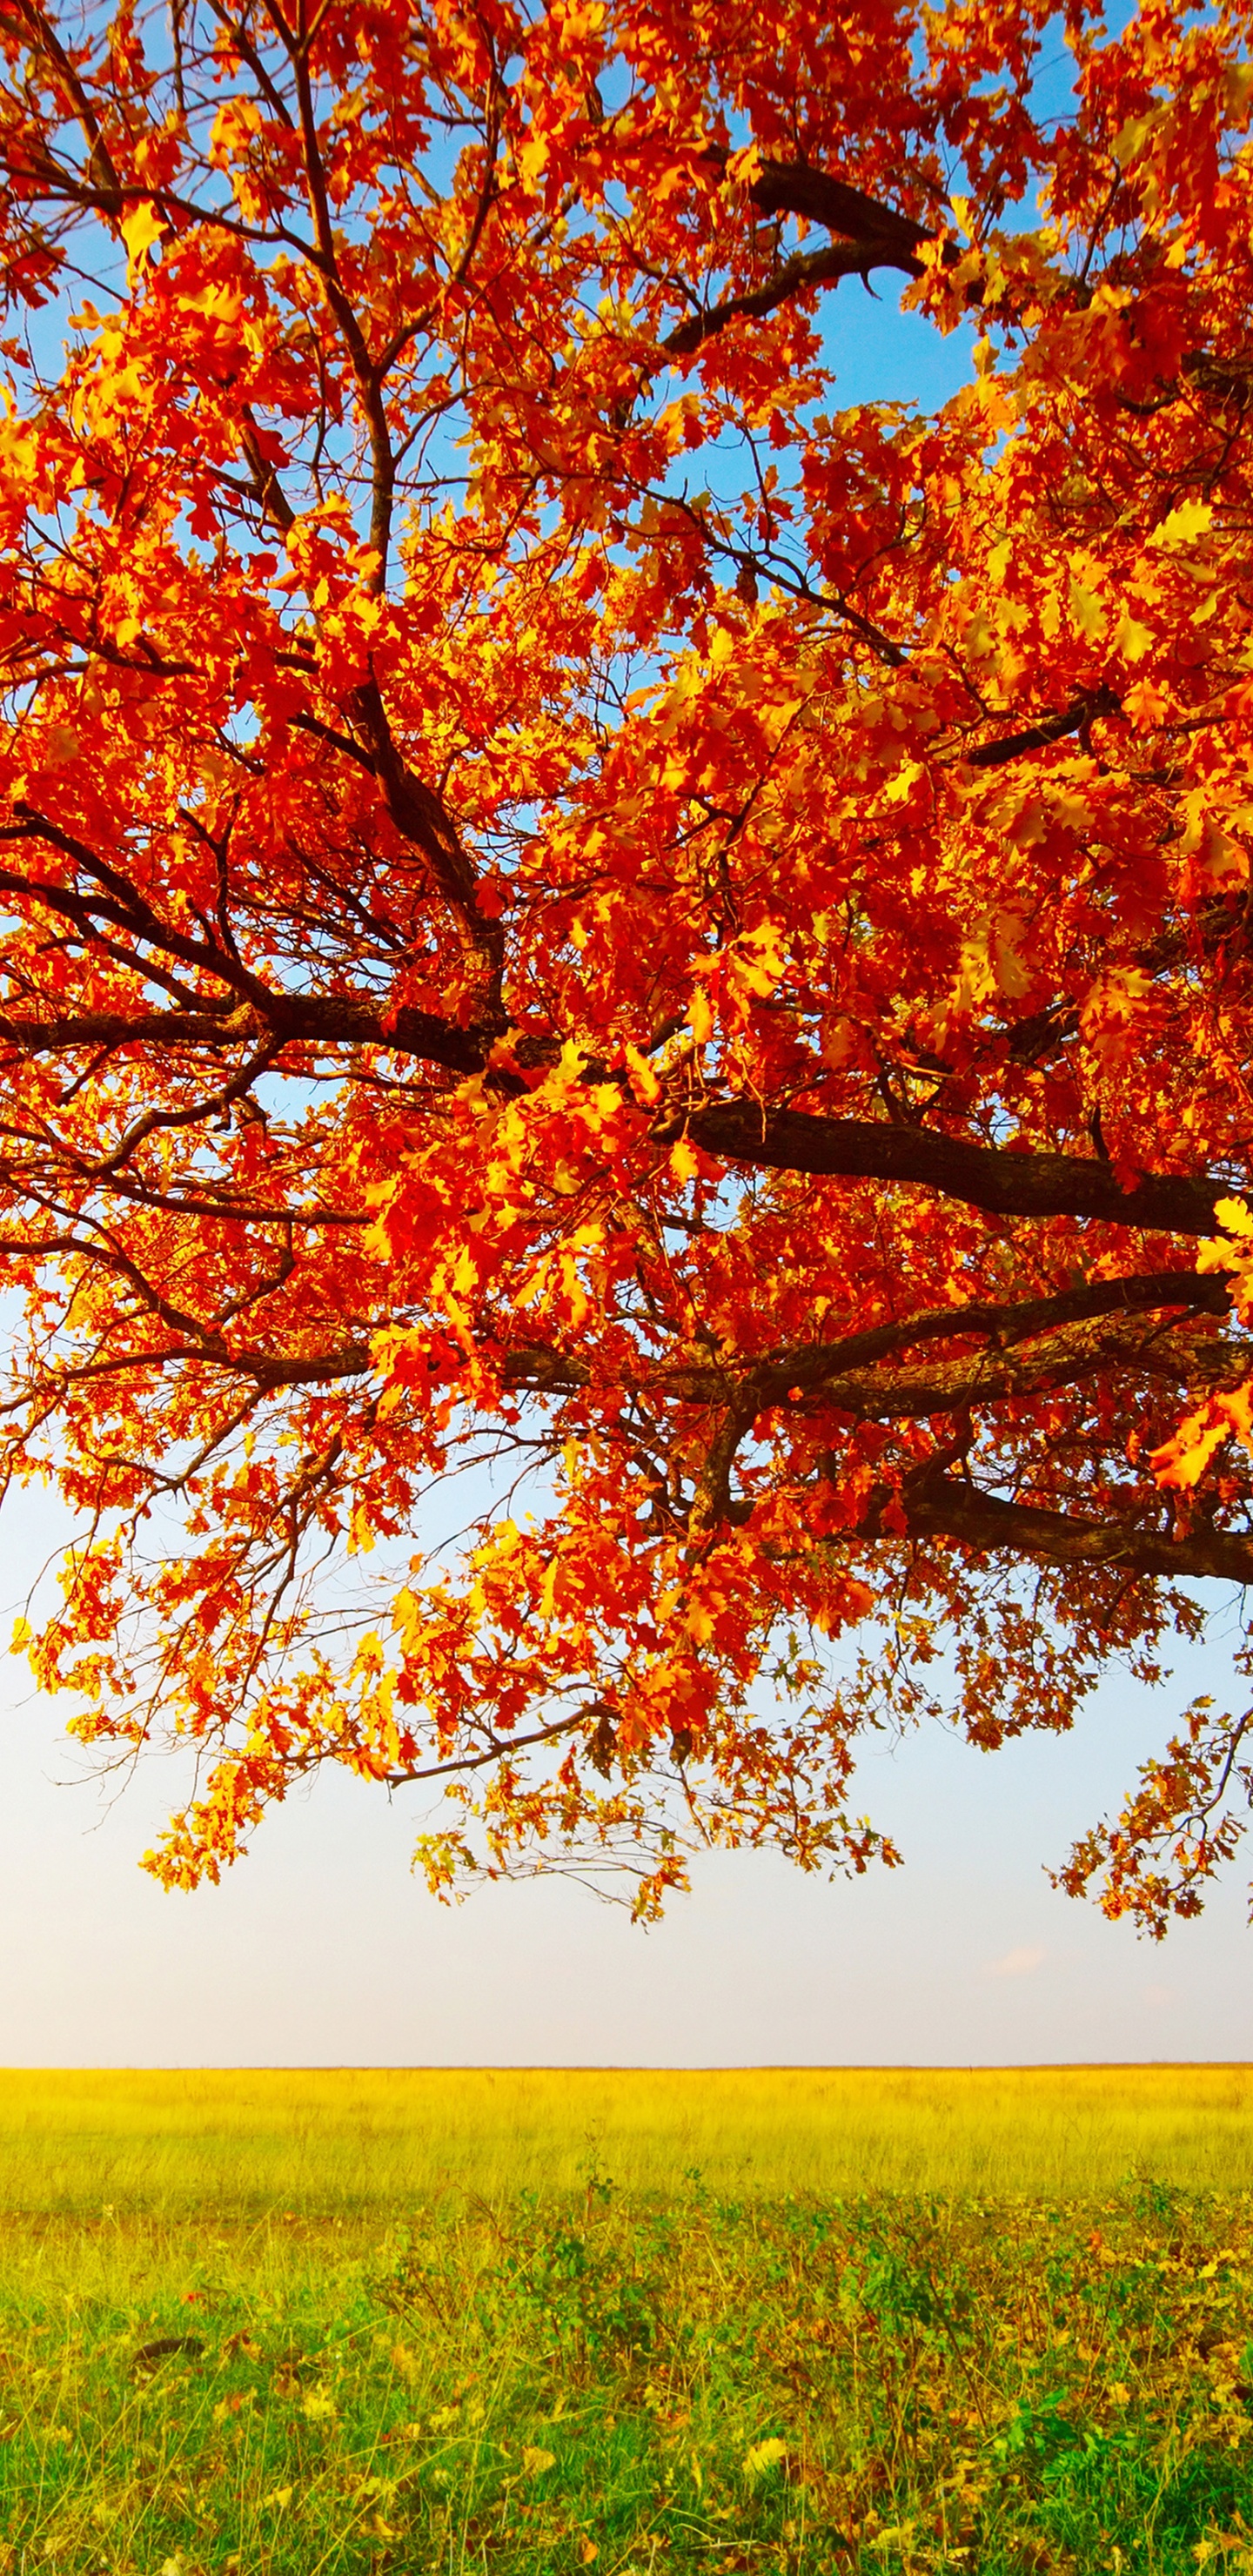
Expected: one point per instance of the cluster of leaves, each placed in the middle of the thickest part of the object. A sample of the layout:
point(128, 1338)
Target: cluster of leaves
point(885, 2384)
point(570, 909)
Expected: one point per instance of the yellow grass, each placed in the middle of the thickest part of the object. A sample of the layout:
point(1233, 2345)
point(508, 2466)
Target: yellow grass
point(368, 2142)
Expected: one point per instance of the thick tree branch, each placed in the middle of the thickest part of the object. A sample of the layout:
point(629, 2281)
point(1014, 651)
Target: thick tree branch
point(1142, 1293)
point(1004, 1182)
point(806, 268)
point(423, 818)
point(996, 1178)
point(1057, 1360)
point(800, 188)
point(868, 235)
point(1039, 736)
point(295, 1019)
point(1036, 1341)
point(947, 1509)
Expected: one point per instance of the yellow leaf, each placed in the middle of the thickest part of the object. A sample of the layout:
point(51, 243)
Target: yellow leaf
point(139, 231)
point(898, 788)
point(646, 1083)
point(236, 120)
point(1130, 140)
point(19, 455)
point(1191, 519)
point(701, 1017)
point(533, 159)
point(1183, 1460)
point(278, 2497)
point(683, 1161)
point(1087, 609)
point(534, 2461)
point(763, 2456)
point(1233, 1216)
point(531, 1288)
point(1011, 975)
point(575, 1294)
point(1239, 87)
point(1131, 639)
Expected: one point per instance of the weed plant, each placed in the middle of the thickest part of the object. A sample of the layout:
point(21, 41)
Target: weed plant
point(634, 2383)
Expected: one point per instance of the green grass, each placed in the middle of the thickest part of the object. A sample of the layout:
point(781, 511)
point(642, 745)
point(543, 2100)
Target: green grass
point(632, 2367)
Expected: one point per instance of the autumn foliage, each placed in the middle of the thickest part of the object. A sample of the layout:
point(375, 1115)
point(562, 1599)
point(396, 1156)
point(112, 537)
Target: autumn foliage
point(627, 993)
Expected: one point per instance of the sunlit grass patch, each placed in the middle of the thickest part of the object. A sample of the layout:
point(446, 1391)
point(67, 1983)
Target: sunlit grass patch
point(637, 2380)
point(351, 2141)
point(878, 2384)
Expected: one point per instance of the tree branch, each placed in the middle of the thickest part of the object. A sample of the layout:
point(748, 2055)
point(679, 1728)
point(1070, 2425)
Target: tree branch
point(1142, 1293)
point(422, 818)
point(1056, 1360)
point(805, 268)
point(947, 1509)
point(294, 1019)
point(868, 235)
point(800, 188)
point(1038, 737)
point(1004, 1182)
point(1027, 1339)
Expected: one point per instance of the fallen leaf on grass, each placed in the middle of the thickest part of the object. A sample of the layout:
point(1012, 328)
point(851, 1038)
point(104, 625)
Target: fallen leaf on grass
point(763, 2456)
point(234, 2404)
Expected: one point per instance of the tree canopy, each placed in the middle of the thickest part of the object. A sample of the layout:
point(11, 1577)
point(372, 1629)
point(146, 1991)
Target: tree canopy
point(583, 919)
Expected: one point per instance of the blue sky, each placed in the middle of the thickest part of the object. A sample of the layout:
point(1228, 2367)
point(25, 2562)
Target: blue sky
point(321, 1949)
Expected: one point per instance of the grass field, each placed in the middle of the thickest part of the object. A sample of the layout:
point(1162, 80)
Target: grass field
point(352, 2142)
point(280, 2324)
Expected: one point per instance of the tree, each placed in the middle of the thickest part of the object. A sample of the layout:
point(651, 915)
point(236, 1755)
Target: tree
point(572, 908)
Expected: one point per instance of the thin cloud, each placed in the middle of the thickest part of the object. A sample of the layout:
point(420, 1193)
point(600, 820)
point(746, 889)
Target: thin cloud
point(1016, 1963)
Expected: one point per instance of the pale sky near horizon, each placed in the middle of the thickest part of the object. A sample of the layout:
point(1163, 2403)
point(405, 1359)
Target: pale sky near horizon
point(321, 1949)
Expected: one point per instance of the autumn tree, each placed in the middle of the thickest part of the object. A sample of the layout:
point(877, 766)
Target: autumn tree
point(577, 912)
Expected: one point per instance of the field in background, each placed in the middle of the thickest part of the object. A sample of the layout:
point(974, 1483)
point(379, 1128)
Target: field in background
point(352, 2142)
point(796, 2324)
